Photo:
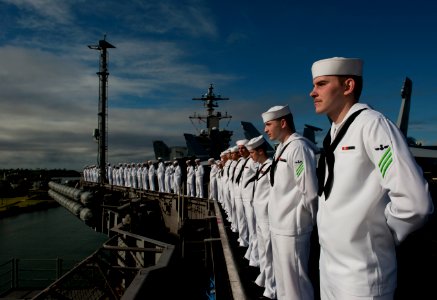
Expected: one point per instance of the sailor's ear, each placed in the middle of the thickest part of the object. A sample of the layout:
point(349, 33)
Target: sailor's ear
point(349, 86)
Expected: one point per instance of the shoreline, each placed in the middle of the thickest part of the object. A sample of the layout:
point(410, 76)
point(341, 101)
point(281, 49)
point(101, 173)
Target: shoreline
point(13, 210)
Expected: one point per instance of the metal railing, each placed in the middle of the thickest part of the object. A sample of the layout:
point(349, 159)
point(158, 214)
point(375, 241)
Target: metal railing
point(32, 273)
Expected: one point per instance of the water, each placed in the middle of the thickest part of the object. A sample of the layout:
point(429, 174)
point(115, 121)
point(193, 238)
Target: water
point(47, 234)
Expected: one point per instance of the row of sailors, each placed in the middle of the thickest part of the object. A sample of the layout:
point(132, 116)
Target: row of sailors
point(234, 181)
point(166, 177)
point(240, 183)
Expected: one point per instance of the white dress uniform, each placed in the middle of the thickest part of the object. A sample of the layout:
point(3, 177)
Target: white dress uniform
point(145, 177)
point(109, 174)
point(249, 171)
point(139, 176)
point(177, 178)
point(292, 215)
point(378, 197)
point(161, 176)
point(191, 181)
point(213, 192)
point(133, 172)
point(232, 208)
point(240, 217)
point(199, 172)
point(152, 177)
point(225, 189)
point(169, 170)
point(261, 199)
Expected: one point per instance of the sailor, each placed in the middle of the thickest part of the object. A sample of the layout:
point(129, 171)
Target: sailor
point(116, 174)
point(191, 179)
point(168, 178)
point(109, 174)
point(127, 182)
point(213, 174)
point(177, 177)
point(293, 205)
point(247, 171)
point(126, 175)
point(152, 176)
point(223, 191)
point(240, 217)
point(119, 174)
point(87, 173)
point(226, 161)
point(161, 175)
point(199, 172)
point(145, 176)
point(140, 176)
point(133, 173)
point(219, 167)
point(372, 192)
point(261, 180)
point(235, 160)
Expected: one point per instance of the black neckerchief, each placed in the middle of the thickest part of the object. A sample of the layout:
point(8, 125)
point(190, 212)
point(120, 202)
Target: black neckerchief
point(328, 156)
point(258, 171)
point(233, 171)
point(241, 171)
point(274, 163)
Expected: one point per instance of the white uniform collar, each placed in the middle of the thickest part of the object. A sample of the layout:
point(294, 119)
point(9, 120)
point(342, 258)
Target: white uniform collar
point(336, 127)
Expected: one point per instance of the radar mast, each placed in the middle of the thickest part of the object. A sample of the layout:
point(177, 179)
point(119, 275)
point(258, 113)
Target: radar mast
point(210, 102)
point(101, 134)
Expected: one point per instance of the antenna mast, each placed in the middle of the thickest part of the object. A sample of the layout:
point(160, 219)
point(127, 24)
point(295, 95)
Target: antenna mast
point(210, 101)
point(101, 134)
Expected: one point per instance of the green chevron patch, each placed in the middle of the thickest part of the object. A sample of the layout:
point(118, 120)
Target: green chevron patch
point(299, 169)
point(385, 161)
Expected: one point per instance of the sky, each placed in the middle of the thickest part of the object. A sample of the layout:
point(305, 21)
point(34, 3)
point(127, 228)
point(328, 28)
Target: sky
point(257, 53)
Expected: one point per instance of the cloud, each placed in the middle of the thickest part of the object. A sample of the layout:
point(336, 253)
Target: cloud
point(42, 14)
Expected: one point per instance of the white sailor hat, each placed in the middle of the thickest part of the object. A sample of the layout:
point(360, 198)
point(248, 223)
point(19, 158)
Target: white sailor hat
point(211, 160)
point(188, 161)
point(255, 142)
point(197, 160)
point(234, 149)
point(241, 142)
point(337, 66)
point(275, 112)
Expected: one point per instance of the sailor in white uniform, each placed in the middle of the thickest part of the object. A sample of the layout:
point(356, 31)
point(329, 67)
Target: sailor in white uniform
point(152, 176)
point(191, 179)
point(372, 192)
point(139, 176)
point(126, 175)
point(235, 160)
point(161, 175)
point(169, 170)
point(213, 174)
point(145, 177)
point(293, 204)
point(109, 174)
point(199, 172)
point(240, 217)
point(177, 177)
point(133, 175)
point(248, 170)
point(225, 185)
point(261, 180)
